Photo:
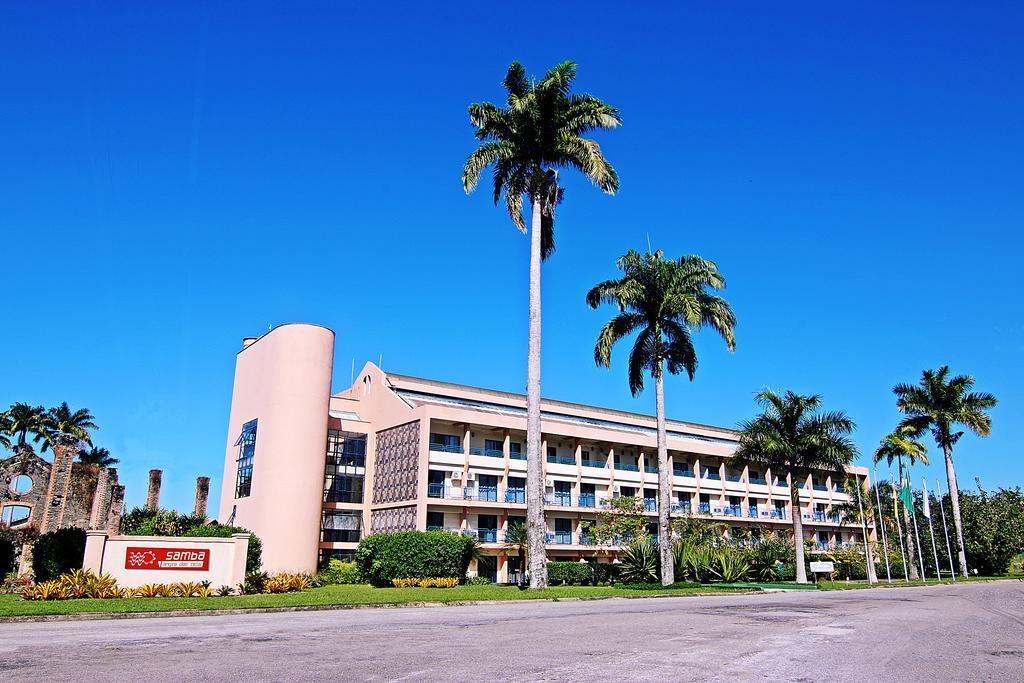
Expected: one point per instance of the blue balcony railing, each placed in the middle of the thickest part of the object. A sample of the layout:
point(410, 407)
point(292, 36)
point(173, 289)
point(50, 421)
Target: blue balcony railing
point(489, 452)
point(778, 513)
point(818, 516)
point(586, 539)
point(594, 463)
point(435, 490)
point(680, 472)
point(625, 466)
point(562, 498)
point(733, 477)
point(820, 487)
point(487, 535)
point(715, 476)
point(732, 511)
point(651, 504)
point(587, 500)
point(486, 493)
point(683, 508)
point(649, 469)
point(446, 448)
point(517, 455)
point(515, 496)
point(752, 511)
point(562, 538)
point(759, 480)
point(704, 508)
point(562, 459)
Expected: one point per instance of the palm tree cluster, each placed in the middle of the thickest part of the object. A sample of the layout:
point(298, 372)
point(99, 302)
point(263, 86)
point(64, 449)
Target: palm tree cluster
point(56, 428)
point(542, 130)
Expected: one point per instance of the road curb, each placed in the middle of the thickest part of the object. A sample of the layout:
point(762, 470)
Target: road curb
point(104, 616)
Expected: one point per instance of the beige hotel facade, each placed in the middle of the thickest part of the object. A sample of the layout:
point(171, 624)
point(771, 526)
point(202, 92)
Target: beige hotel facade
point(311, 472)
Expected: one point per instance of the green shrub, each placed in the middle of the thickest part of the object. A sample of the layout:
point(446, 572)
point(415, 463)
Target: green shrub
point(413, 554)
point(656, 586)
point(605, 573)
point(8, 553)
point(570, 573)
point(339, 571)
point(254, 556)
point(146, 522)
point(58, 552)
point(639, 562)
point(478, 581)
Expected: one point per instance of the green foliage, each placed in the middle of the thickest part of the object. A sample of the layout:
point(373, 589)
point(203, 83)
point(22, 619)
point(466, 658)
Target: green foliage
point(639, 562)
point(656, 586)
point(732, 564)
point(993, 529)
point(622, 522)
point(146, 522)
point(570, 573)
point(478, 581)
point(605, 573)
point(254, 556)
point(413, 554)
point(767, 554)
point(8, 553)
point(58, 552)
point(340, 572)
point(940, 403)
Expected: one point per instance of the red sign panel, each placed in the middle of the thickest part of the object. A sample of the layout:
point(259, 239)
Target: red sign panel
point(179, 559)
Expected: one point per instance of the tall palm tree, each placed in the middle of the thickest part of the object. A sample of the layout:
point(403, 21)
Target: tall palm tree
point(24, 419)
point(790, 436)
point(97, 456)
point(666, 302)
point(5, 430)
point(65, 428)
point(539, 132)
point(939, 403)
point(898, 446)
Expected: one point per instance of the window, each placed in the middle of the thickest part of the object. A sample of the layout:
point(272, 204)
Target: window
point(246, 444)
point(515, 447)
point(487, 487)
point(341, 526)
point(447, 443)
point(435, 519)
point(343, 473)
point(627, 491)
point(15, 515)
point(493, 446)
point(346, 449)
point(21, 484)
point(328, 554)
point(516, 492)
point(435, 484)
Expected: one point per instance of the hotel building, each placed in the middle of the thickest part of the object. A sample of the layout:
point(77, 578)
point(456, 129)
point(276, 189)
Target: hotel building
point(311, 473)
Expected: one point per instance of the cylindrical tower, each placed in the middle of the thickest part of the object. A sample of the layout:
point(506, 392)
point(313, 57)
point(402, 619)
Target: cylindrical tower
point(277, 442)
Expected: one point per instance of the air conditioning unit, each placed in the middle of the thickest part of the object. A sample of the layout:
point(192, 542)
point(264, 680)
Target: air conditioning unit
point(549, 483)
point(471, 476)
point(616, 490)
point(456, 476)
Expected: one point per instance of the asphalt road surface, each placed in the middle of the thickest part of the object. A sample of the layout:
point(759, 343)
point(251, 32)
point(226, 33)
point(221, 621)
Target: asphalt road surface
point(966, 632)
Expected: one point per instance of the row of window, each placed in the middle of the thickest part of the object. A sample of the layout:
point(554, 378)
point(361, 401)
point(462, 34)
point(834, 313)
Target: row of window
point(344, 473)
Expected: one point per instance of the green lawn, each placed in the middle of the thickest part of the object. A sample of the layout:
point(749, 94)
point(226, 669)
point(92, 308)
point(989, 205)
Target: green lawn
point(13, 605)
point(899, 583)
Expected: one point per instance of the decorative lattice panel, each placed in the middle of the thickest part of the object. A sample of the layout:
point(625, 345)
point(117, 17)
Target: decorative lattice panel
point(396, 463)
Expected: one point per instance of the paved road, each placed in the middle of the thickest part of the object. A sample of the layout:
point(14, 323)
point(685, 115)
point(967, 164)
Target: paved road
point(973, 632)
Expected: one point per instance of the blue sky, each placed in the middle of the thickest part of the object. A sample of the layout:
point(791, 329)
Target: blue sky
point(176, 176)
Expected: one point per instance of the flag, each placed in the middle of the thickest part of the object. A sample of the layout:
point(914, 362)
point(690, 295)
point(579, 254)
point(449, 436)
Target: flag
point(927, 509)
point(906, 496)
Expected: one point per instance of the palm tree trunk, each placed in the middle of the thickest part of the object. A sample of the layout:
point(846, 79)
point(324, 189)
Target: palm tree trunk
point(954, 497)
point(664, 484)
point(536, 526)
point(798, 529)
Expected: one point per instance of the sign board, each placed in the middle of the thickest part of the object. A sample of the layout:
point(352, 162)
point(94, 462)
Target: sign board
point(822, 567)
point(175, 559)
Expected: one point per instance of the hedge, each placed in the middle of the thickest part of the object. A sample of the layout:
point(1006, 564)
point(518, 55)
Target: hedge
point(8, 554)
point(253, 559)
point(58, 552)
point(413, 554)
point(570, 573)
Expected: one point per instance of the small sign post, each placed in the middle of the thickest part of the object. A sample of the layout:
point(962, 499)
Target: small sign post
point(822, 568)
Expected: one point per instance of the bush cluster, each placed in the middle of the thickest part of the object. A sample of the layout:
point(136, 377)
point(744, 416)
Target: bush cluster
point(8, 553)
point(57, 553)
point(436, 582)
point(338, 572)
point(254, 556)
point(570, 573)
point(381, 558)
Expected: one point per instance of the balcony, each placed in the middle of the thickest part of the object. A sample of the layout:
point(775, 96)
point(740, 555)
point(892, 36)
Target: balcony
point(487, 494)
point(820, 487)
point(594, 463)
point(488, 452)
point(752, 511)
point(560, 498)
point(561, 460)
point(626, 467)
point(445, 448)
point(487, 535)
point(680, 472)
point(778, 513)
point(732, 511)
point(559, 538)
point(758, 480)
point(515, 496)
point(713, 476)
point(683, 508)
point(735, 478)
point(587, 500)
point(517, 455)
point(649, 469)
point(651, 504)
point(704, 509)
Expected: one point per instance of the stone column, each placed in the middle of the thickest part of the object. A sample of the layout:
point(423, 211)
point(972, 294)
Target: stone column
point(116, 508)
point(100, 499)
point(59, 486)
point(202, 493)
point(153, 496)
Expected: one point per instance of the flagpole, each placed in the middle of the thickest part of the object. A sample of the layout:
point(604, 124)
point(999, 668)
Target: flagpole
point(931, 528)
point(869, 559)
point(917, 537)
point(949, 548)
point(881, 522)
point(899, 529)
